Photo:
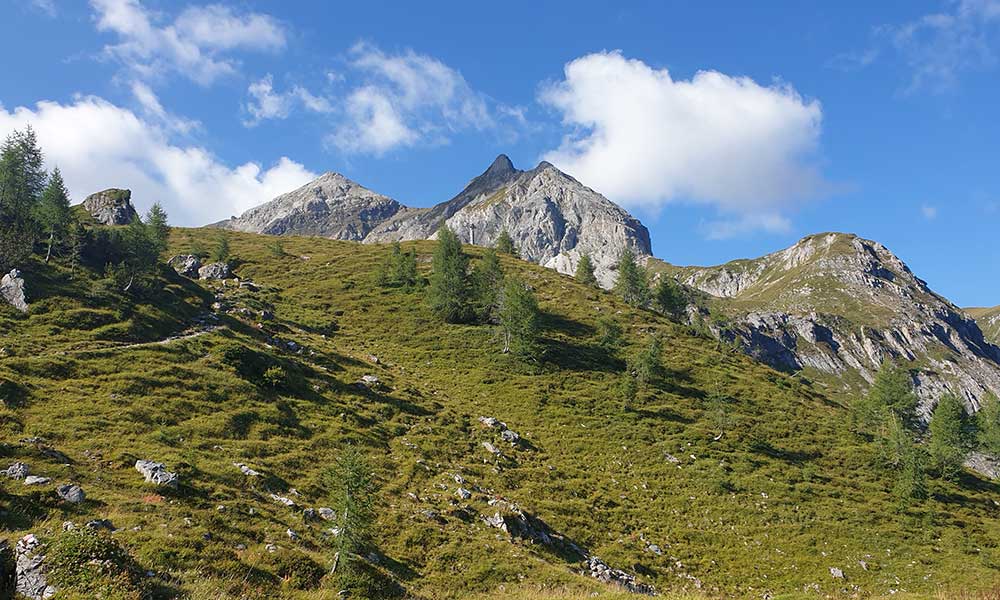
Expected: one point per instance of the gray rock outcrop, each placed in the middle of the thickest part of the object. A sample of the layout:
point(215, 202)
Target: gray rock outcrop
point(216, 270)
point(187, 265)
point(157, 473)
point(12, 290)
point(32, 572)
point(112, 206)
point(839, 304)
point(552, 218)
point(71, 493)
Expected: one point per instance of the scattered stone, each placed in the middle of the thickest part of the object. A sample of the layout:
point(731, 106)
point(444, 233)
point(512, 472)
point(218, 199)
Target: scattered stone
point(602, 572)
point(31, 570)
point(464, 494)
point(36, 480)
point(12, 290)
point(100, 524)
point(672, 459)
point(111, 207)
point(491, 448)
point(271, 548)
point(327, 514)
point(216, 270)
point(373, 359)
point(309, 514)
point(459, 479)
point(249, 286)
point(283, 500)
point(246, 470)
point(240, 547)
point(157, 473)
point(509, 435)
point(291, 534)
point(370, 380)
point(71, 493)
point(492, 423)
point(185, 264)
point(18, 471)
point(836, 573)
point(654, 549)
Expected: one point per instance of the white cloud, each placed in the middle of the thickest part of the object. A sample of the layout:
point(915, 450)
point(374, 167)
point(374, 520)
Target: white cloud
point(266, 103)
point(152, 109)
point(939, 47)
point(46, 6)
point(98, 145)
point(726, 228)
point(929, 212)
point(198, 44)
point(646, 140)
point(406, 99)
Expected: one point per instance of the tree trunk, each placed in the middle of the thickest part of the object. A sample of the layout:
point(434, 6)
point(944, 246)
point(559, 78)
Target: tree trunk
point(48, 253)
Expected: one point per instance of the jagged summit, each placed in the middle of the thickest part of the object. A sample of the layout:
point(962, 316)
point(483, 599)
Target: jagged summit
point(553, 218)
point(839, 304)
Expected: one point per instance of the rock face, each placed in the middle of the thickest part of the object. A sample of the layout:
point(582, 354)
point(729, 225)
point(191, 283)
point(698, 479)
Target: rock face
point(838, 304)
point(331, 206)
point(552, 218)
point(111, 207)
point(32, 578)
point(186, 265)
point(218, 270)
point(12, 290)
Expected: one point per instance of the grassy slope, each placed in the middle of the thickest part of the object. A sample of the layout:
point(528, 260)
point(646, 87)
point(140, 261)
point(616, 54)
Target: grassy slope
point(781, 498)
point(989, 321)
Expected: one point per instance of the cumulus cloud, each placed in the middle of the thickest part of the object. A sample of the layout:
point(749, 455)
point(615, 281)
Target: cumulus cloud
point(646, 139)
point(266, 103)
point(98, 145)
point(403, 100)
point(198, 44)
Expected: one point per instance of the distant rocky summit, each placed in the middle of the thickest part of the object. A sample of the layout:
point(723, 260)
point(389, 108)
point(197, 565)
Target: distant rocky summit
point(552, 218)
point(838, 304)
point(112, 206)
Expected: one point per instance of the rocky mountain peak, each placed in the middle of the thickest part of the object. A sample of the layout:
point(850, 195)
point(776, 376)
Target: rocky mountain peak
point(501, 167)
point(837, 303)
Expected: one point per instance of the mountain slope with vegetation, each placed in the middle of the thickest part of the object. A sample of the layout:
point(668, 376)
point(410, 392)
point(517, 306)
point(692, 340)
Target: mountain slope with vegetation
point(836, 306)
point(989, 321)
point(721, 473)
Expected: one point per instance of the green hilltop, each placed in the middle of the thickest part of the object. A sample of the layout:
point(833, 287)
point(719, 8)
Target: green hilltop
point(723, 478)
point(989, 321)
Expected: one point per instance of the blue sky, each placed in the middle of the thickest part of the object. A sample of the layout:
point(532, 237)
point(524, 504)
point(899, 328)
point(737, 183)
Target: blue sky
point(730, 129)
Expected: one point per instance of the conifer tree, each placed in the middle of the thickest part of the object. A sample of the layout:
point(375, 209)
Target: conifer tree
point(487, 279)
point(890, 394)
point(585, 271)
point(632, 284)
point(670, 298)
point(988, 425)
point(519, 320)
point(157, 227)
point(505, 245)
point(22, 180)
point(53, 212)
point(351, 485)
point(449, 293)
point(946, 446)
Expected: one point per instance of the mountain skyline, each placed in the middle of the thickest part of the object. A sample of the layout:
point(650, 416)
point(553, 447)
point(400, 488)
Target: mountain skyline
point(851, 122)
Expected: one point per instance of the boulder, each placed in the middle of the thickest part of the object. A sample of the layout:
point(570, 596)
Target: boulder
point(327, 514)
point(186, 265)
point(71, 493)
point(31, 570)
point(216, 270)
point(246, 470)
point(509, 435)
point(111, 207)
point(157, 473)
point(35, 480)
point(463, 493)
point(18, 471)
point(12, 290)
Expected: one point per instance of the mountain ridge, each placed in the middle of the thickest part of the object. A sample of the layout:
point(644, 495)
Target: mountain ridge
point(552, 218)
point(839, 304)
